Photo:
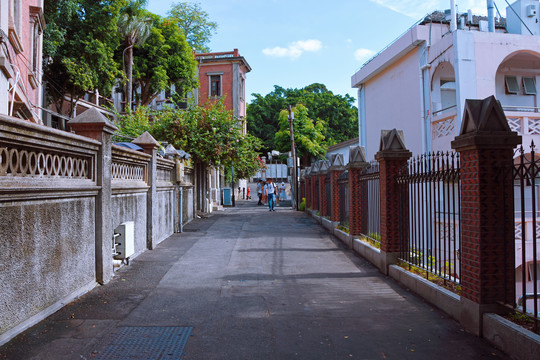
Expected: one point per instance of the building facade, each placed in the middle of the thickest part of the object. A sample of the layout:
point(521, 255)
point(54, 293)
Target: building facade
point(427, 73)
point(21, 34)
point(221, 75)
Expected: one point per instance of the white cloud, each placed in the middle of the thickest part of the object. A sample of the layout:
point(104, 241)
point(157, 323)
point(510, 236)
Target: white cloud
point(416, 9)
point(363, 54)
point(295, 49)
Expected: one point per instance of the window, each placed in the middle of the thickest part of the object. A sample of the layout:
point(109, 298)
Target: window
point(215, 85)
point(37, 23)
point(448, 94)
point(512, 85)
point(529, 86)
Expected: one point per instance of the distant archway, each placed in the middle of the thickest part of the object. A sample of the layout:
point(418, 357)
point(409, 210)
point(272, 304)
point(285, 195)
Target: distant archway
point(443, 87)
point(516, 79)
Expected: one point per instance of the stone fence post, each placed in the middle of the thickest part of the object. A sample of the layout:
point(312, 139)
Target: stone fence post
point(357, 163)
point(149, 145)
point(336, 169)
point(392, 156)
point(323, 172)
point(485, 145)
point(94, 125)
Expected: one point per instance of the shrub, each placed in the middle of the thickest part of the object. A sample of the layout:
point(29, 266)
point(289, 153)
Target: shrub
point(302, 206)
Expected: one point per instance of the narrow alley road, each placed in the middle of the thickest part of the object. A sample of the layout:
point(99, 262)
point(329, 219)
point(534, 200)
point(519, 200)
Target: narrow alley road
point(254, 285)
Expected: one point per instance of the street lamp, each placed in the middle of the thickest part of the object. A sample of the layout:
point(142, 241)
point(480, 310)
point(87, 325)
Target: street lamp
point(294, 177)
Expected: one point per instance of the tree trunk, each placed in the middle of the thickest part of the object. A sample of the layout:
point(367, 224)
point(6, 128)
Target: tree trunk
point(129, 74)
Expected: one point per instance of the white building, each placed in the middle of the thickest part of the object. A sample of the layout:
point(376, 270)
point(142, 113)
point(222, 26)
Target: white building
point(419, 83)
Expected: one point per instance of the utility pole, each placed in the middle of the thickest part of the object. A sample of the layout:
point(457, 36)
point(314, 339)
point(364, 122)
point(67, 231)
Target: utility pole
point(294, 177)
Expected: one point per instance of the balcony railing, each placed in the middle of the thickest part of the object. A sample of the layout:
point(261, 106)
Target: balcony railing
point(523, 120)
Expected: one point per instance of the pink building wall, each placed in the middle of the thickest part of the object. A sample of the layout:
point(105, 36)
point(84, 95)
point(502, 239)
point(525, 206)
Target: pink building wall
point(18, 20)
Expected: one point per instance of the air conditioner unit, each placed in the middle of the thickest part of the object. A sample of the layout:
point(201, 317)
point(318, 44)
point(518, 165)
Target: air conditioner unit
point(125, 241)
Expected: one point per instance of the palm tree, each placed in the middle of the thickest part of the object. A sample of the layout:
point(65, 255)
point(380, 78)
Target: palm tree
point(135, 27)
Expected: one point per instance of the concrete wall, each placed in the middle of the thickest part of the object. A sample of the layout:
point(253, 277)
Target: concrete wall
point(46, 253)
point(47, 221)
point(165, 221)
point(54, 247)
point(131, 207)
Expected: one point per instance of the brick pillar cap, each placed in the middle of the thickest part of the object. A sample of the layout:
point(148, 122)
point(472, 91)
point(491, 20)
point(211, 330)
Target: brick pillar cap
point(485, 125)
point(337, 163)
point(315, 167)
point(146, 141)
point(323, 168)
point(392, 140)
point(92, 120)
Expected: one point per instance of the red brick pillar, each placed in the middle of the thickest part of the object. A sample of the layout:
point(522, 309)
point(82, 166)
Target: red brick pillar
point(485, 145)
point(315, 186)
point(336, 169)
point(308, 187)
point(392, 157)
point(302, 188)
point(357, 163)
point(323, 174)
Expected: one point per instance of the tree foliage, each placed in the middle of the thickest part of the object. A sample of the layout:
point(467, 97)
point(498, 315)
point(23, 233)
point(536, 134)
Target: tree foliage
point(308, 135)
point(165, 59)
point(337, 112)
point(134, 27)
point(79, 45)
point(194, 22)
point(211, 134)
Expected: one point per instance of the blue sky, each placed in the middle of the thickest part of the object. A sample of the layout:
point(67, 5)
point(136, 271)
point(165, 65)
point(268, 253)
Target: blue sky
point(294, 43)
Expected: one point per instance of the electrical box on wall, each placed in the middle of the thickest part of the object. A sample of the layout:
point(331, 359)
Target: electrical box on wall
point(522, 17)
point(125, 241)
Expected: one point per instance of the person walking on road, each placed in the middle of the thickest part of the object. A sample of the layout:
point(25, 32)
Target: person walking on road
point(260, 191)
point(270, 191)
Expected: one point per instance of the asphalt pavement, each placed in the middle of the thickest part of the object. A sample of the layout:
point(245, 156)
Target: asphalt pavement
point(246, 283)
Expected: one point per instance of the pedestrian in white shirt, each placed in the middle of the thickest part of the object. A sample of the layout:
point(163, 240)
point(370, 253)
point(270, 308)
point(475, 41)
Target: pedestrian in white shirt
point(270, 191)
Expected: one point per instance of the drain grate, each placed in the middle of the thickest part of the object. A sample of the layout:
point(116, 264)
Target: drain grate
point(145, 343)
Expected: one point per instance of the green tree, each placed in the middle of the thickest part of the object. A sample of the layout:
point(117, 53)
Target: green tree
point(336, 111)
point(194, 23)
point(133, 123)
point(79, 45)
point(134, 27)
point(308, 135)
point(165, 59)
point(210, 133)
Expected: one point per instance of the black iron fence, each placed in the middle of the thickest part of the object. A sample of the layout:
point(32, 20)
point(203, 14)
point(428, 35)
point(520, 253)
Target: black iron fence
point(370, 202)
point(430, 230)
point(344, 196)
point(527, 228)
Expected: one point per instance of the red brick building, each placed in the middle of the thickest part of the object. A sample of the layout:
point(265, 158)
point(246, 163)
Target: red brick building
point(223, 74)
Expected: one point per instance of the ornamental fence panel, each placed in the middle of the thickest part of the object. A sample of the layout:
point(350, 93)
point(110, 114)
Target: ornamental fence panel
point(344, 196)
point(430, 236)
point(526, 176)
point(370, 202)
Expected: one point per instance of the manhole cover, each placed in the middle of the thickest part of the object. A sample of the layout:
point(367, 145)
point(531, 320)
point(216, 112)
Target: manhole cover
point(148, 342)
